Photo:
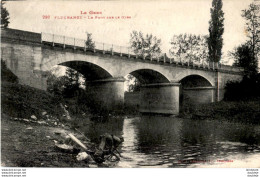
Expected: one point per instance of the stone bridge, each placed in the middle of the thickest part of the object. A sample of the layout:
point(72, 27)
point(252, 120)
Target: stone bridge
point(164, 81)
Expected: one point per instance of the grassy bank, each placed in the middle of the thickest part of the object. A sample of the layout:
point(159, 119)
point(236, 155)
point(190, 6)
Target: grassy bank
point(241, 111)
point(28, 144)
point(24, 101)
point(31, 119)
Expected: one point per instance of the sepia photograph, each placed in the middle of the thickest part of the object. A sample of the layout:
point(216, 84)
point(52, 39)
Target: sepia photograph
point(130, 84)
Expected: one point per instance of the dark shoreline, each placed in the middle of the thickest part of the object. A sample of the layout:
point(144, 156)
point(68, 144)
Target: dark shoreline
point(234, 111)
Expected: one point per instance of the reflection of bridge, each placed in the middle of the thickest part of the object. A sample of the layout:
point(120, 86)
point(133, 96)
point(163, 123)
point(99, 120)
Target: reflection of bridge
point(29, 55)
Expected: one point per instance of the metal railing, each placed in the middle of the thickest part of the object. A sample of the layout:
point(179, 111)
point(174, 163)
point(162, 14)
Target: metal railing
point(127, 51)
point(75, 42)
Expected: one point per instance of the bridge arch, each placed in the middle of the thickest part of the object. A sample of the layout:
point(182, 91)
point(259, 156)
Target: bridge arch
point(79, 62)
point(91, 71)
point(195, 80)
point(196, 89)
point(149, 76)
point(146, 70)
point(209, 77)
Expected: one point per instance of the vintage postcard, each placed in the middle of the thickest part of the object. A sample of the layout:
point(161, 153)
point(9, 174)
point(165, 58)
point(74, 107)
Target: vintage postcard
point(130, 84)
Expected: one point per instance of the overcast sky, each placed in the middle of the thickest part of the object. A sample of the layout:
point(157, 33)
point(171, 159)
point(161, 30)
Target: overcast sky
point(163, 19)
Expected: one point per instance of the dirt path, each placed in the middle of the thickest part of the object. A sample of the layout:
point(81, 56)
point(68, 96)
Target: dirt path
point(26, 144)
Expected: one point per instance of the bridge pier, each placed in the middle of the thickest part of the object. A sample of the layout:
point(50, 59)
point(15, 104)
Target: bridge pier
point(161, 98)
point(199, 95)
point(106, 94)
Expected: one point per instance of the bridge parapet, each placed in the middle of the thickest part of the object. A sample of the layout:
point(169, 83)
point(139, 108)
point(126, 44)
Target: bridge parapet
point(15, 34)
point(231, 68)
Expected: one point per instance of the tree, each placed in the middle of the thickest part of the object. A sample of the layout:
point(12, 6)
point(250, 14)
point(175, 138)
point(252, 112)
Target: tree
point(56, 85)
point(133, 84)
point(216, 30)
point(4, 16)
point(188, 47)
point(72, 86)
point(89, 42)
point(145, 46)
point(253, 29)
point(244, 57)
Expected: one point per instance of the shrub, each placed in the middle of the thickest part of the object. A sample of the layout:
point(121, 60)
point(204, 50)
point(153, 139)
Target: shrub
point(247, 89)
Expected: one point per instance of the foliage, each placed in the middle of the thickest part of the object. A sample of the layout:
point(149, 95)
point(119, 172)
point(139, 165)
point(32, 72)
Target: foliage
point(189, 47)
point(89, 42)
point(247, 89)
point(251, 16)
point(216, 30)
point(23, 101)
point(56, 85)
point(244, 58)
point(133, 84)
point(6, 74)
point(236, 111)
point(246, 55)
point(146, 46)
point(72, 85)
point(4, 16)
point(66, 86)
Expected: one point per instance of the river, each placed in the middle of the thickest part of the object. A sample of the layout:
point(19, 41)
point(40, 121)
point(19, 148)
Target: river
point(158, 141)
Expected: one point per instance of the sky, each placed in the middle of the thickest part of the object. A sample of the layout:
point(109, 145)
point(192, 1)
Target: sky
point(160, 18)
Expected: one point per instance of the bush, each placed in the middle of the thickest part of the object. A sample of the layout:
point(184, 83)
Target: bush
point(23, 101)
point(247, 89)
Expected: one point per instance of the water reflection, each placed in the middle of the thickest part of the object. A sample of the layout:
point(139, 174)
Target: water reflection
point(96, 128)
point(131, 157)
point(174, 142)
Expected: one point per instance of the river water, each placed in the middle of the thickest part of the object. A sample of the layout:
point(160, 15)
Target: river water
point(158, 141)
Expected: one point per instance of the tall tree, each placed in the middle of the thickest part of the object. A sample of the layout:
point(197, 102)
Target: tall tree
point(189, 47)
point(216, 30)
point(145, 45)
point(89, 42)
point(252, 16)
point(244, 57)
point(4, 16)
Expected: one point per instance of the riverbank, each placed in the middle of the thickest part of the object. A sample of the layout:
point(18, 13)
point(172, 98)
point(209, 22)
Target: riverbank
point(31, 121)
point(238, 111)
point(30, 144)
